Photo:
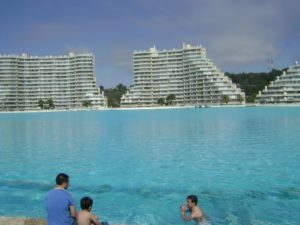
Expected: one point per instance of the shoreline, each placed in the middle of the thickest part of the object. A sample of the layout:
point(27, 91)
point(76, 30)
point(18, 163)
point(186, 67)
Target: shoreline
point(27, 221)
point(152, 108)
point(21, 221)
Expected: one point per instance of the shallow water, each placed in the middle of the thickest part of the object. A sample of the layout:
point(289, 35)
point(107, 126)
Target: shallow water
point(139, 166)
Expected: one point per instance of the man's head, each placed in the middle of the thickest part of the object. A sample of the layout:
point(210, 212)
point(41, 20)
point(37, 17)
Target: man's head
point(62, 180)
point(86, 203)
point(192, 201)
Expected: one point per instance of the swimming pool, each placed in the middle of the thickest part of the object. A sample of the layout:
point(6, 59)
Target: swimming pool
point(139, 165)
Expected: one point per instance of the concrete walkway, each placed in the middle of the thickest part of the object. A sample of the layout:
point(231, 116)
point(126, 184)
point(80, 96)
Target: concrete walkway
point(21, 221)
point(25, 221)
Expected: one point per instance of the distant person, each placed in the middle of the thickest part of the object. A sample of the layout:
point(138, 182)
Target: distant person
point(195, 212)
point(60, 204)
point(85, 217)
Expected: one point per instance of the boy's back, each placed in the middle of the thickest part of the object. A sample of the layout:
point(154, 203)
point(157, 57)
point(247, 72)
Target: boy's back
point(84, 217)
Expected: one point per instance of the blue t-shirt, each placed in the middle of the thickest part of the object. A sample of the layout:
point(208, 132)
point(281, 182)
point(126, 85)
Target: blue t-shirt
point(58, 202)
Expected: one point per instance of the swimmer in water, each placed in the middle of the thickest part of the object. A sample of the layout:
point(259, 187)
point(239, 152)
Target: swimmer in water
point(196, 212)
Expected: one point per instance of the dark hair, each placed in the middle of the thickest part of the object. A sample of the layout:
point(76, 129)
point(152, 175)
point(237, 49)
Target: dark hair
point(193, 198)
point(86, 203)
point(62, 178)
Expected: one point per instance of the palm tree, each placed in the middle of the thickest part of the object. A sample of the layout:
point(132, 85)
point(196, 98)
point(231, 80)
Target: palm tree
point(170, 99)
point(87, 103)
point(225, 99)
point(161, 101)
point(50, 103)
point(41, 103)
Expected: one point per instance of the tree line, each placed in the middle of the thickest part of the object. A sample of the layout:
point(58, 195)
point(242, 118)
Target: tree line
point(250, 83)
point(114, 95)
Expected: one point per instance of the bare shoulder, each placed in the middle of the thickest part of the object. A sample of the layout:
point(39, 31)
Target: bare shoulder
point(83, 213)
point(83, 217)
point(197, 213)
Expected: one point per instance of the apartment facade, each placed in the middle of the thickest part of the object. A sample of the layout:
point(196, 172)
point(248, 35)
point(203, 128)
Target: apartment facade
point(68, 80)
point(187, 73)
point(284, 89)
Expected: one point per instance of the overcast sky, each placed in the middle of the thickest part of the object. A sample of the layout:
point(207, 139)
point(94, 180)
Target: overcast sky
point(238, 35)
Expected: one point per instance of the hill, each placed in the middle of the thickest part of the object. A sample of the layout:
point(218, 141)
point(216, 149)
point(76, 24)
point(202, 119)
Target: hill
point(252, 83)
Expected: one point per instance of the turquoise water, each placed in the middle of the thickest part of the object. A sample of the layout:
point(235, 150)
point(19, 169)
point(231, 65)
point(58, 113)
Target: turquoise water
point(139, 166)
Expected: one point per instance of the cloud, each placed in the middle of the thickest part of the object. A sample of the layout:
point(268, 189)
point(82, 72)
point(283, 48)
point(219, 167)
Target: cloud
point(114, 66)
point(78, 49)
point(49, 31)
point(234, 32)
point(118, 56)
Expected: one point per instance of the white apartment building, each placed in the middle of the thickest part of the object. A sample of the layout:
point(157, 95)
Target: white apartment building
point(284, 89)
point(186, 73)
point(68, 80)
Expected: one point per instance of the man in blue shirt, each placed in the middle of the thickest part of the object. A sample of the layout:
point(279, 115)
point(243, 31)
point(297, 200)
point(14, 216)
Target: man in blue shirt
point(60, 204)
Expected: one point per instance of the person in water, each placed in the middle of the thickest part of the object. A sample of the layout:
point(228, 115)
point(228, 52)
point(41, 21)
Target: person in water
point(195, 212)
point(85, 217)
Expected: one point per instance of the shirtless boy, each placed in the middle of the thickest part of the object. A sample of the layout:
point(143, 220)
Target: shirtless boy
point(85, 217)
point(196, 212)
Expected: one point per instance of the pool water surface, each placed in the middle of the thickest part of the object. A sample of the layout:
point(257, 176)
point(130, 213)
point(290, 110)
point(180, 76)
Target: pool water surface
point(139, 165)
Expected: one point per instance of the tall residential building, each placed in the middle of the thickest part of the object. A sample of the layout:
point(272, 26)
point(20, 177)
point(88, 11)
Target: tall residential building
point(68, 80)
point(284, 89)
point(186, 73)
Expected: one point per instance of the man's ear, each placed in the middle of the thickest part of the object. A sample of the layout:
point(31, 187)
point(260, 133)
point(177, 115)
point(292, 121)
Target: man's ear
point(66, 184)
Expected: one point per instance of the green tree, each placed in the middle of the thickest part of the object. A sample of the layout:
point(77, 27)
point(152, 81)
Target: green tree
point(161, 101)
point(111, 102)
point(252, 83)
point(50, 103)
point(251, 99)
point(170, 99)
point(41, 103)
point(240, 98)
point(87, 103)
point(114, 95)
point(122, 88)
point(225, 99)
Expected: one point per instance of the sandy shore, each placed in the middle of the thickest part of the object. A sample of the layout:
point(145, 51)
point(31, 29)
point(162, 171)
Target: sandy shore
point(21, 221)
point(25, 221)
point(98, 109)
point(54, 110)
point(155, 107)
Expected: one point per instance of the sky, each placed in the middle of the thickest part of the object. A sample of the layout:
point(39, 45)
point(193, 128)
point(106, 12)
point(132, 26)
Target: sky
point(239, 35)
